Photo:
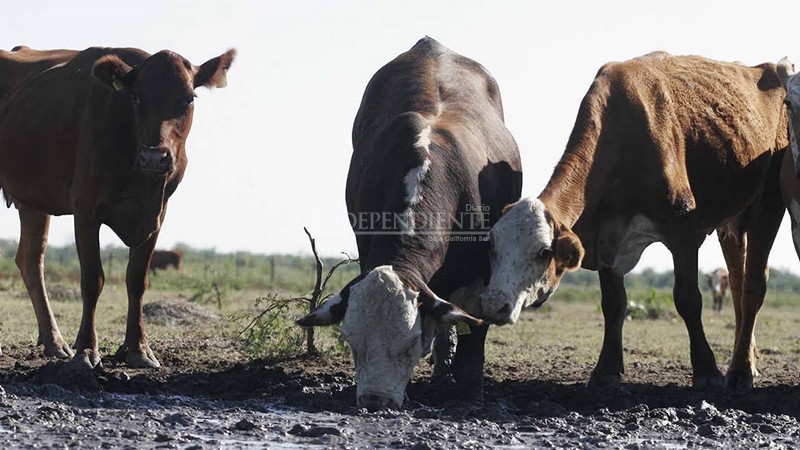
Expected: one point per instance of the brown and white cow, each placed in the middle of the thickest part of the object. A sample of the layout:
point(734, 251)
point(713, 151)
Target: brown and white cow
point(664, 149)
point(98, 134)
point(718, 284)
point(432, 167)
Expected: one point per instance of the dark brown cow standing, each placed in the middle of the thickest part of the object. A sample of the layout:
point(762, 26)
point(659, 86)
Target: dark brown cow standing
point(163, 259)
point(98, 134)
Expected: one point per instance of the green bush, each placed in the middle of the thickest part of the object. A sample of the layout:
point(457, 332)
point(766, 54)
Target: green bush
point(654, 305)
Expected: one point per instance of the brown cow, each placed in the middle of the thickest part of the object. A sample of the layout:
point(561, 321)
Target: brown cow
point(163, 259)
point(718, 283)
point(664, 149)
point(98, 134)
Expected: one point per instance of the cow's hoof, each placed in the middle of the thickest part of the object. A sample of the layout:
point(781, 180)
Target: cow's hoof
point(708, 381)
point(144, 359)
point(87, 357)
point(58, 349)
point(737, 379)
point(603, 381)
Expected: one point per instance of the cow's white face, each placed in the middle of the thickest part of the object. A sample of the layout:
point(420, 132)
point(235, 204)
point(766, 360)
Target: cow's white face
point(389, 327)
point(791, 82)
point(385, 332)
point(527, 261)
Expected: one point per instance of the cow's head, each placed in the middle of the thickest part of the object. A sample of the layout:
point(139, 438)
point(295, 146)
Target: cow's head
point(529, 253)
point(160, 92)
point(389, 325)
point(161, 89)
point(791, 82)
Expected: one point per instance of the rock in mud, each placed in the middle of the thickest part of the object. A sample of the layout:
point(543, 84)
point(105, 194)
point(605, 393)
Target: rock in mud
point(245, 425)
point(314, 432)
point(71, 374)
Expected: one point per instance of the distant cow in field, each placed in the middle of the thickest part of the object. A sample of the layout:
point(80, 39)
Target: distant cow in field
point(432, 167)
point(718, 283)
point(98, 134)
point(163, 259)
point(664, 149)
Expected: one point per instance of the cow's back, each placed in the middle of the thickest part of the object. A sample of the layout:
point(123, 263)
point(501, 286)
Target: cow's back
point(433, 119)
point(23, 63)
point(676, 119)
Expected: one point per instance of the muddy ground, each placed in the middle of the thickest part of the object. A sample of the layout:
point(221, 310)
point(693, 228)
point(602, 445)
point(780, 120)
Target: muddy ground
point(309, 402)
point(209, 396)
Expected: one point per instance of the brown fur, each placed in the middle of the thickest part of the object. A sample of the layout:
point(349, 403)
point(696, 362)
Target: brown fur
point(689, 143)
point(99, 134)
point(163, 259)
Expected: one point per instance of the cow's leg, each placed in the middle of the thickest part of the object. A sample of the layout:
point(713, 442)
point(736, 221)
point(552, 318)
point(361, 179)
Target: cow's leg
point(734, 253)
point(34, 227)
point(614, 302)
point(87, 241)
point(468, 362)
point(761, 235)
point(137, 352)
point(442, 354)
point(689, 303)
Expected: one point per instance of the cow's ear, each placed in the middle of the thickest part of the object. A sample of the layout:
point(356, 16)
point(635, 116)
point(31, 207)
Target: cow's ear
point(331, 311)
point(213, 73)
point(113, 73)
point(568, 251)
point(785, 70)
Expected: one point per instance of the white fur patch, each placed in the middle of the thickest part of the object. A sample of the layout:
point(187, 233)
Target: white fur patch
point(519, 277)
point(413, 181)
point(424, 139)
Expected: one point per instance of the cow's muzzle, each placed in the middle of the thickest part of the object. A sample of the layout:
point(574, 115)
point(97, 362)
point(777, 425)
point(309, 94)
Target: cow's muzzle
point(154, 160)
point(376, 402)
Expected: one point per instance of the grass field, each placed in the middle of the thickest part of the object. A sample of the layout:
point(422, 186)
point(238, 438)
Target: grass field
point(560, 340)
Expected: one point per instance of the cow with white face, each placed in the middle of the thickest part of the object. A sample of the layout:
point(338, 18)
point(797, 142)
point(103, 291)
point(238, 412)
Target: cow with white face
point(527, 260)
point(433, 166)
point(649, 161)
point(385, 355)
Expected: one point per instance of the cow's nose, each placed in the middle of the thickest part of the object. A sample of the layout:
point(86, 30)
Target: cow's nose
point(504, 311)
point(376, 402)
point(154, 160)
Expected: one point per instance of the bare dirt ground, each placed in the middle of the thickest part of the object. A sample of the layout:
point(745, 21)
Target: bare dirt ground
point(208, 395)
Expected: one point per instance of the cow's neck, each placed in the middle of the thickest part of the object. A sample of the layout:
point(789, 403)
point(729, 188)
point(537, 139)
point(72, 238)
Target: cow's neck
point(583, 173)
point(418, 255)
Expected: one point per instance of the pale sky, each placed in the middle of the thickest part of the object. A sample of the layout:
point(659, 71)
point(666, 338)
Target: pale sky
point(269, 153)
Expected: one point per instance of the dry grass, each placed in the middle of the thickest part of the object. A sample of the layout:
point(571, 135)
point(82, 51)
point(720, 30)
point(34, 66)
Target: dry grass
point(560, 342)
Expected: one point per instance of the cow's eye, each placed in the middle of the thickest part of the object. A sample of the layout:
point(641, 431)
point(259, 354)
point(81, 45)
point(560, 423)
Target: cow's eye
point(190, 100)
point(135, 99)
point(545, 253)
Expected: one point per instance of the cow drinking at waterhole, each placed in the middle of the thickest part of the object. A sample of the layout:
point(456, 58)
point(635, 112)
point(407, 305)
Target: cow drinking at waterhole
point(433, 164)
point(99, 134)
point(664, 149)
